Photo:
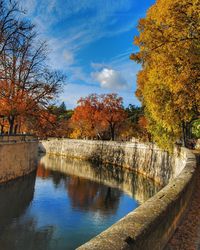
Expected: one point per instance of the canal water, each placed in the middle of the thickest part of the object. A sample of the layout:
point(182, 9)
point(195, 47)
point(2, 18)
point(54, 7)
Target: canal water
point(66, 203)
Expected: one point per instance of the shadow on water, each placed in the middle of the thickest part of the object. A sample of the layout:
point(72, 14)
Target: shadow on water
point(15, 197)
point(15, 233)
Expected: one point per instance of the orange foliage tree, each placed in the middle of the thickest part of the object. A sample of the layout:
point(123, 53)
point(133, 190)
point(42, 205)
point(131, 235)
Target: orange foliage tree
point(112, 112)
point(26, 83)
point(97, 115)
point(86, 120)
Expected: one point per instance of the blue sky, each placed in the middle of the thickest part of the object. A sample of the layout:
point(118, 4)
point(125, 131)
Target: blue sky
point(90, 41)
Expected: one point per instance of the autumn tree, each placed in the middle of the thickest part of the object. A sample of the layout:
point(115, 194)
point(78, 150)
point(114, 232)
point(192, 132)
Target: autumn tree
point(112, 112)
point(86, 120)
point(52, 121)
point(43, 123)
point(168, 84)
point(26, 82)
point(97, 115)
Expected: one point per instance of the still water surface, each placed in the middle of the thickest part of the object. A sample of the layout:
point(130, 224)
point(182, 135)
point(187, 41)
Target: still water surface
point(66, 203)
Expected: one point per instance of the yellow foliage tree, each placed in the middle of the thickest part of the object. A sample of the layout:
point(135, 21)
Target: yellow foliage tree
point(168, 84)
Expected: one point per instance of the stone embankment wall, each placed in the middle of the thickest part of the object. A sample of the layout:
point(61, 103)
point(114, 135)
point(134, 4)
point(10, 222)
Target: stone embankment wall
point(148, 159)
point(152, 224)
point(18, 157)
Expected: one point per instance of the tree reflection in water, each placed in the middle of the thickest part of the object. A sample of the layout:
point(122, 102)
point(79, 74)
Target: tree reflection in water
point(83, 193)
point(135, 185)
point(86, 195)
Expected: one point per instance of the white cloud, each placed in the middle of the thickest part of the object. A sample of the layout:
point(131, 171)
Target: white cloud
point(110, 79)
point(121, 63)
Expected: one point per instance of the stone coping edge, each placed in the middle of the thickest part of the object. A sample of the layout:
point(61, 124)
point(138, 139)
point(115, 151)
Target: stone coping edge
point(152, 224)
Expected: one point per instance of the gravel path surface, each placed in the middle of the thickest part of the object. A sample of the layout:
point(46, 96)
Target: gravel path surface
point(187, 235)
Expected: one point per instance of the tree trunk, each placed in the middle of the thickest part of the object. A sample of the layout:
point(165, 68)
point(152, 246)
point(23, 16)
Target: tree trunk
point(15, 130)
point(19, 128)
point(184, 134)
point(149, 137)
point(11, 120)
point(188, 130)
point(112, 131)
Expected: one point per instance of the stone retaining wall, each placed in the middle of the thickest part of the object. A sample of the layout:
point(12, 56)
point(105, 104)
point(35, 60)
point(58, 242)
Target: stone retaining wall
point(146, 159)
point(17, 158)
point(152, 224)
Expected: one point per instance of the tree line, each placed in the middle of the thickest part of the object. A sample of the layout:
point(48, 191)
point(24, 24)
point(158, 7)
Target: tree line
point(104, 117)
point(100, 117)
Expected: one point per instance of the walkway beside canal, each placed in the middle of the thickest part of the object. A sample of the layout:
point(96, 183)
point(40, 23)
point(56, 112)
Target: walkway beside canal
point(187, 236)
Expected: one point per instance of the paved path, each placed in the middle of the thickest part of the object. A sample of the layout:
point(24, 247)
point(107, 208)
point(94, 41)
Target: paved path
point(187, 236)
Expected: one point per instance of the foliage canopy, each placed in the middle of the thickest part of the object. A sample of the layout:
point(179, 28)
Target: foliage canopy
point(168, 84)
